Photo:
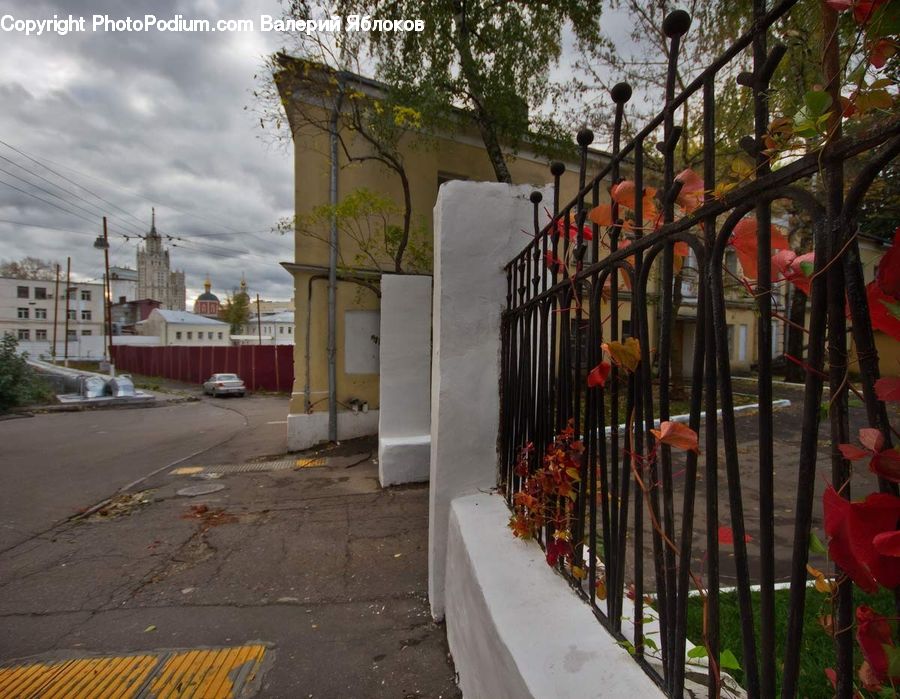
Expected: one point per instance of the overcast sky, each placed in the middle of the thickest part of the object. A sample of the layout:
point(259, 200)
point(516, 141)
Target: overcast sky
point(143, 119)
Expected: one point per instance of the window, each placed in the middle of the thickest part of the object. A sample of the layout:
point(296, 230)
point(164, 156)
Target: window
point(730, 340)
point(24, 335)
point(190, 335)
point(626, 329)
point(72, 335)
point(177, 334)
point(40, 313)
point(85, 295)
point(22, 313)
point(220, 336)
point(40, 293)
point(40, 334)
point(742, 343)
point(281, 330)
point(85, 315)
point(731, 261)
point(87, 332)
point(22, 292)
point(71, 314)
point(290, 329)
point(209, 335)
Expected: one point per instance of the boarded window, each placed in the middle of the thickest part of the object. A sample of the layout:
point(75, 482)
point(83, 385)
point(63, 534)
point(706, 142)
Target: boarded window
point(361, 335)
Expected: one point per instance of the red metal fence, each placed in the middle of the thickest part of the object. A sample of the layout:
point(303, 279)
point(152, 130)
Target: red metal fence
point(262, 367)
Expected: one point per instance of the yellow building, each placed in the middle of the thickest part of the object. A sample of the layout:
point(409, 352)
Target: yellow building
point(428, 163)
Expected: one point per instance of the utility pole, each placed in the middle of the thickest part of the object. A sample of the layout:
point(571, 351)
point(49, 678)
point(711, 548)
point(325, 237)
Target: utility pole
point(103, 244)
point(258, 320)
point(68, 293)
point(55, 314)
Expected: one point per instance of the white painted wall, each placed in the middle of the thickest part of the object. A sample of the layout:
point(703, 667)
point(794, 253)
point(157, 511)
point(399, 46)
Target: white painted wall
point(305, 430)
point(477, 229)
point(515, 628)
point(404, 421)
point(361, 341)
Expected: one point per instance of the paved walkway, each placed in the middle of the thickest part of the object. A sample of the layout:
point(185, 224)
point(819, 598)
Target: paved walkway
point(315, 562)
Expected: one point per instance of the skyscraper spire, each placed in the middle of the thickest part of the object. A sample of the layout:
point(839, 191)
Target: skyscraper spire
point(153, 220)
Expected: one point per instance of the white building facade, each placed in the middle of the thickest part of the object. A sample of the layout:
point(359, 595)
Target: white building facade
point(275, 328)
point(183, 329)
point(32, 313)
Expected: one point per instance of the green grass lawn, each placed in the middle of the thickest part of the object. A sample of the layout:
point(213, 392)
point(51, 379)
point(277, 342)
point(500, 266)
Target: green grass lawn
point(818, 650)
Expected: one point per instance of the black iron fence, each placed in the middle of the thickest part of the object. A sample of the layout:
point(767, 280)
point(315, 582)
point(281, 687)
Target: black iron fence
point(577, 434)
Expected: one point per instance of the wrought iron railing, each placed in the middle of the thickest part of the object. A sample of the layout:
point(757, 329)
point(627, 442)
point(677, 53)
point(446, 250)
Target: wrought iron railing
point(553, 328)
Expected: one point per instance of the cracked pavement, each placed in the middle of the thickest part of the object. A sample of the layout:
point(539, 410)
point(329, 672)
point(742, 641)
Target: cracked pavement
point(321, 563)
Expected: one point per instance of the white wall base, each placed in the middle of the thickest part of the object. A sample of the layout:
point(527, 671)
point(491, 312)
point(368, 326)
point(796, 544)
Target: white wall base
point(403, 459)
point(305, 430)
point(515, 628)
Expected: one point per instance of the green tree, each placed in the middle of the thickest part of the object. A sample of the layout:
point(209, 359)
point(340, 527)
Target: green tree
point(492, 59)
point(19, 384)
point(236, 311)
point(368, 219)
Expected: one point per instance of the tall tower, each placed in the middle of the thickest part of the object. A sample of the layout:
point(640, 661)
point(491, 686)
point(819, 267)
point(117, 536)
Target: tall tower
point(155, 279)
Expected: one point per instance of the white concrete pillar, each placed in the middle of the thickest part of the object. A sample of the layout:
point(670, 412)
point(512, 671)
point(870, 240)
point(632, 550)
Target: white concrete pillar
point(404, 418)
point(478, 228)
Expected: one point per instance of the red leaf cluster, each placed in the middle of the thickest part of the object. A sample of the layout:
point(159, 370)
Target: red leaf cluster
point(598, 375)
point(726, 536)
point(790, 266)
point(883, 462)
point(857, 541)
point(745, 242)
point(883, 292)
point(873, 632)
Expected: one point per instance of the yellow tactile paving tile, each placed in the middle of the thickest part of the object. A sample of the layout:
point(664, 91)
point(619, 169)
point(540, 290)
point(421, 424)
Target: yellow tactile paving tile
point(309, 463)
point(186, 470)
point(199, 674)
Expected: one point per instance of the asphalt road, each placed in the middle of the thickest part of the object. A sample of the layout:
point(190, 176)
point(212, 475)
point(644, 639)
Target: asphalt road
point(52, 466)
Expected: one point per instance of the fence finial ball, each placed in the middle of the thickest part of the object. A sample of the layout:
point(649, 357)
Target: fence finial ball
point(620, 93)
point(536, 197)
point(557, 168)
point(676, 23)
point(585, 137)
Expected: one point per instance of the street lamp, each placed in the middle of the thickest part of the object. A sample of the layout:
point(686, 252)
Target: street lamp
point(102, 243)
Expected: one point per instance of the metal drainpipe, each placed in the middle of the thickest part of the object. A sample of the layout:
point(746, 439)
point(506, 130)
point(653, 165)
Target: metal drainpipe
point(332, 276)
point(306, 389)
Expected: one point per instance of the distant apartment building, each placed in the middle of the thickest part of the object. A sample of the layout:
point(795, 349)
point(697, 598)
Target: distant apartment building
point(180, 329)
point(155, 279)
point(126, 314)
point(31, 311)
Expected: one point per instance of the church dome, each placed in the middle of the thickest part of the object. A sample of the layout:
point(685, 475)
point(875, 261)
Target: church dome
point(208, 296)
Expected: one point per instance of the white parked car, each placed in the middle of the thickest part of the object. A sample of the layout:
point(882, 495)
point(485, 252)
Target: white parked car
point(224, 385)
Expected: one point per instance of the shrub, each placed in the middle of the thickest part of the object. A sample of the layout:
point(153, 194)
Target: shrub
point(19, 384)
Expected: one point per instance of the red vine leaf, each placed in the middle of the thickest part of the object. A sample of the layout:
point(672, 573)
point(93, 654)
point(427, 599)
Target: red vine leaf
point(726, 536)
point(888, 389)
point(601, 215)
point(852, 528)
point(871, 439)
point(624, 195)
point(864, 10)
point(677, 435)
point(598, 375)
point(745, 243)
point(852, 452)
point(873, 632)
point(888, 543)
point(884, 310)
point(797, 269)
point(690, 196)
point(839, 5)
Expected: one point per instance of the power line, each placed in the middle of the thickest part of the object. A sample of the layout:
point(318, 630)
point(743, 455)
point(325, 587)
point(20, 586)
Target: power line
point(59, 174)
point(53, 184)
point(126, 190)
point(57, 206)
